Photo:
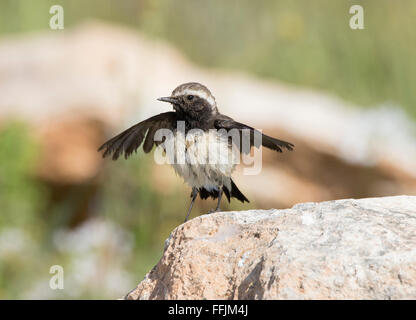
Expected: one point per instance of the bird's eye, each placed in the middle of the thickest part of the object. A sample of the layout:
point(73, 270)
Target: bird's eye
point(190, 97)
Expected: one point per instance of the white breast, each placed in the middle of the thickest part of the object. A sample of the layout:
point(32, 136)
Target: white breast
point(203, 159)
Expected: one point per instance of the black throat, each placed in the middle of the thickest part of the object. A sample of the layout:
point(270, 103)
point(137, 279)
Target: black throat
point(202, 120)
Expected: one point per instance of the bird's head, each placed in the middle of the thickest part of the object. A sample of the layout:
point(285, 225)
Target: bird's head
point(192, 99)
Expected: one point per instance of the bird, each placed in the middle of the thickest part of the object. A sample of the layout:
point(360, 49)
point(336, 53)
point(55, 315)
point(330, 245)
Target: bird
point(203, 125)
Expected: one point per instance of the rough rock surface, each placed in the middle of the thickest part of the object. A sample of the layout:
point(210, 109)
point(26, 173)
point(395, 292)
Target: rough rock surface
point(344, 249)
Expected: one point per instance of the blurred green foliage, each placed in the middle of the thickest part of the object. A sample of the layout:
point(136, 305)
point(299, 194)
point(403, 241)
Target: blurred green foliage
point(22, 200)
point(302, 42)
point(19, 193)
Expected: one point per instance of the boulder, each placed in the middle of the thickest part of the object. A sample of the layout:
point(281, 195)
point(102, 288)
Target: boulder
point(343, 249)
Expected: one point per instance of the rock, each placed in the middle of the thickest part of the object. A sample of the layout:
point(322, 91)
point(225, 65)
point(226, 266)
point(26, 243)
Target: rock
point(343, 249)
point(69, 150)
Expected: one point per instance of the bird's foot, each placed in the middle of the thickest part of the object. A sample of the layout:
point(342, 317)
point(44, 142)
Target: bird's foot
point(212, 211)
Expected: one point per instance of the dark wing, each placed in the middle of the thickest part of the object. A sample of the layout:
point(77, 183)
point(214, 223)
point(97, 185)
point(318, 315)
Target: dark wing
point(224, 122)
point(131, 139)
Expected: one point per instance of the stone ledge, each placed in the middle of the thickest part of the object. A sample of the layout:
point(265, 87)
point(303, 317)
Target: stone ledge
point(343, 249)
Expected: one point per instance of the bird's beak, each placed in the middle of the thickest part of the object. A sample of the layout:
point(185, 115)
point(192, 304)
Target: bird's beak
point(169, 99)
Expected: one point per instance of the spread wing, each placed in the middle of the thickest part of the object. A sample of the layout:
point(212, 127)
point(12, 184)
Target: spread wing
point(228, 123)
point(129, 140)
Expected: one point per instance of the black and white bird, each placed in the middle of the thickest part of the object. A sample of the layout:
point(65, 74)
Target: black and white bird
point(196, 108)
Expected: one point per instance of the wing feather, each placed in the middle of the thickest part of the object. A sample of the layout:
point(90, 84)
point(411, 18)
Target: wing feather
point(228, 123)
point(130, 140)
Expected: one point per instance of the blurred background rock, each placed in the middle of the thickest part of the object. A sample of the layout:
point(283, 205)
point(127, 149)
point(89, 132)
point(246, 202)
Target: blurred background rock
point(292, 68)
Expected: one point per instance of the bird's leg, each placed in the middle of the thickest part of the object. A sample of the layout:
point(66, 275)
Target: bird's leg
point(194, 193)
point(220, 192)
point(219, 200)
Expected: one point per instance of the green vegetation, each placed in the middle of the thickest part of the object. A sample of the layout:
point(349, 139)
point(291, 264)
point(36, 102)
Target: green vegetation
point(303, 42)
point(18, 192)
point(21, 200)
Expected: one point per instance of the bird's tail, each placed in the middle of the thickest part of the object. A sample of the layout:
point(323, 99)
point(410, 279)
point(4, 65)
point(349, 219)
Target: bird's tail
point(235, 193)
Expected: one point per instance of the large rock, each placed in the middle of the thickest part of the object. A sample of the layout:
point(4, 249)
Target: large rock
point(344, 249)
